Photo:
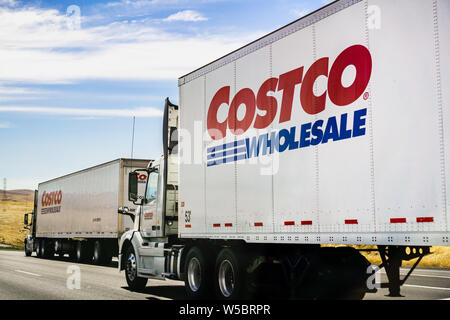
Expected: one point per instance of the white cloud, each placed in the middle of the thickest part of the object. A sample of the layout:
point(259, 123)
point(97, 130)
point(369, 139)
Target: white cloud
point(40, 48)
point(143, 112)
point(186, 15)
point(10, 3)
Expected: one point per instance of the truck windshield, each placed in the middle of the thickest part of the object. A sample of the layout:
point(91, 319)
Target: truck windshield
point(152, 186)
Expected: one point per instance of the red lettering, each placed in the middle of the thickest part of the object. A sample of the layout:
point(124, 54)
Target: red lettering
point(59, 197)
point(246, 97)
point(359, 57)
point(287, 83)
point(266, 103)
point(52, 198)
point(310, 103)
point(218, 130)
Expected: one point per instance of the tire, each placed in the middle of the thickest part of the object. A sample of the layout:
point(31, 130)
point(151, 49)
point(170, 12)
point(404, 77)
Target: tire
point(102, 253)
point(134, 282)
point(47, 249)
point(38, 248)
point(27, 251)
point(83, 252)
point(73, 253)
point(356, 274)
point(199, 275)
point(229, 274)
point(43, 249)
point(99, 254)
point(335, 274)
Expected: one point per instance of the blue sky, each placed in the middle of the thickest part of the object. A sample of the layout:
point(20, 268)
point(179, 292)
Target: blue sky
point(70, 83)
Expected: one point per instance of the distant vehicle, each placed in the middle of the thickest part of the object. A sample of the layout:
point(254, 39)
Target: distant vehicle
point(76, 214)
point(334, 129)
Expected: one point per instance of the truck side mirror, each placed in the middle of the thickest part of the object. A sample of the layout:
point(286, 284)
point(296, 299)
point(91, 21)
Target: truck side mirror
point(133, 186)
point(126, 211)
point(25, 219)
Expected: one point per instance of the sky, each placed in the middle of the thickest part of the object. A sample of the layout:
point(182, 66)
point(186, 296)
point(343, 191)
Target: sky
point(74, 73)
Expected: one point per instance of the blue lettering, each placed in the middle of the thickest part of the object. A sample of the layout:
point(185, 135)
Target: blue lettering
point(292, 143)
point(317, 132)
point(344, 133)
point(359, 122)
point(284, 133)
point(304, 135)
point(331, 131)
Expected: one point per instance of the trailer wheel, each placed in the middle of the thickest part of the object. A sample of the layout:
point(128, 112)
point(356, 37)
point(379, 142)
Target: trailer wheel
point(46, 251)
point(99, 252)
point(230, 275)
point(83, 252)
point(73, 253)
point(199, 275)
point(134, 282)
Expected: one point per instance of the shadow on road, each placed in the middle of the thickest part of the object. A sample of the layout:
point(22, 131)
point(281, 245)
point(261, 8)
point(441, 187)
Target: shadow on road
point(170, 292)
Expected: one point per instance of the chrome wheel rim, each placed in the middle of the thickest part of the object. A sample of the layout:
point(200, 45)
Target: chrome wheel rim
point(131, 267)
point(226, 278)
point(194, 274)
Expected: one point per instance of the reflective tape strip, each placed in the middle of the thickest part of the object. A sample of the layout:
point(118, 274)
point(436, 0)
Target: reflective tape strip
point(398, 220)
point(425, 219)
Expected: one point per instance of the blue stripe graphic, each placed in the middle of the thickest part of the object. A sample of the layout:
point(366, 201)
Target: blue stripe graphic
point(227, 152)
point(226, 146)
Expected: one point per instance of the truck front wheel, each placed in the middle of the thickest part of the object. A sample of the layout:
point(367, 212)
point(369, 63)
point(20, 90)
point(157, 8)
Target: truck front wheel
point(28, 252)
point(134, 282)
point(199, 275)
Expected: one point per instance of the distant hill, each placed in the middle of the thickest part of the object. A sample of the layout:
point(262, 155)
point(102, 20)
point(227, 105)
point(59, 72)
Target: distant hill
point(19, 195)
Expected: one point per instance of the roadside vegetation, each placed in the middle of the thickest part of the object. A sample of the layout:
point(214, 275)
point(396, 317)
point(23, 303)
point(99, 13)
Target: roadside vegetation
point(11, 222)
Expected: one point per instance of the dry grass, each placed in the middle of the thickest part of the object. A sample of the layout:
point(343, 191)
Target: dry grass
point(439, 257)
point(11, 221)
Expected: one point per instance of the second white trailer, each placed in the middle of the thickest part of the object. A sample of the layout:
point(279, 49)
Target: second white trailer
point(77, 213)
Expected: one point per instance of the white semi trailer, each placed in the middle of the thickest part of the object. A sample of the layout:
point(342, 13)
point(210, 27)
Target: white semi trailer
point(334, 129)
point(76, 214)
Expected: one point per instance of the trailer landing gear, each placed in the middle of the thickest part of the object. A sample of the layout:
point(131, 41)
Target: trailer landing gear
point(392, 257)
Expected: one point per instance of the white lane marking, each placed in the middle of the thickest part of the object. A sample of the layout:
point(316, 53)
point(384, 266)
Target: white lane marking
point(425, 275)
point(416, 286)
point(427, 270)
point(30, 273)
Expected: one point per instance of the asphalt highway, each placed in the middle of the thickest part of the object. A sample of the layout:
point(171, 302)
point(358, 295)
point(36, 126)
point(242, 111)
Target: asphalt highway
point(31, 278)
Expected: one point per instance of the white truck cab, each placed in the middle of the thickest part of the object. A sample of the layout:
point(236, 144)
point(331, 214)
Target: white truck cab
point(146, 250)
